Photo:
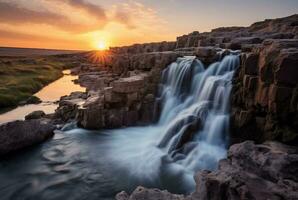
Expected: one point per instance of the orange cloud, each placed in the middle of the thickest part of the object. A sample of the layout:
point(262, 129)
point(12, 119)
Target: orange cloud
point(84, 23)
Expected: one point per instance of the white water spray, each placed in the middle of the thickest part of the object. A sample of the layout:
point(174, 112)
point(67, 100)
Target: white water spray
point(191, 133)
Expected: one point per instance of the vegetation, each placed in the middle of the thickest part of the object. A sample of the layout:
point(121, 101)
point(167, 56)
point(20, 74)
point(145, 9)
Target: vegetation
point(22, 77)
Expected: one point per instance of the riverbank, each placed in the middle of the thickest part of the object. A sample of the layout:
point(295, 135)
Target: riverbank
point(49, 97)
point(21, 77)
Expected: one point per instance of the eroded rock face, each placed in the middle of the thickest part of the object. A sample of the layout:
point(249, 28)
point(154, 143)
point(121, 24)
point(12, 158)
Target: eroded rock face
point(265, 171)
point(120, 93)
point(264, 103)
point(126, 102)
point(264, 97)
point(20, 134)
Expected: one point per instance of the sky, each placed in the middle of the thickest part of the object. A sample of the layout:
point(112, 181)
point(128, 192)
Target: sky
point(93, 24)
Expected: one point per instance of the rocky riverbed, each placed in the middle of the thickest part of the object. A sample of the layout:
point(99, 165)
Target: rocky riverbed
point(122, 89)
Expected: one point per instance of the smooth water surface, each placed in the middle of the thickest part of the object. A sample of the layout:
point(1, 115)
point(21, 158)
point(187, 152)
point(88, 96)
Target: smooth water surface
point(49, 95)
point(190, 135)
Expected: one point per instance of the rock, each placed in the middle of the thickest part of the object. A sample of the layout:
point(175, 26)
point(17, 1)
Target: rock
point(31, 100)
point(122, 196)
point(20, 134)
point(251, 64)
point(142, 193)
point(69, 105)
point(91, 114)
point(207, 54)
point(128, 85)
point(112, 97)
point(265, 171)
point(287, 67)
point(35, 115)
point(92, 80)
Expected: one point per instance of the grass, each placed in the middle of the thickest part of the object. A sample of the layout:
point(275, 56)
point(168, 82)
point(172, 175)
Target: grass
point(20, 77)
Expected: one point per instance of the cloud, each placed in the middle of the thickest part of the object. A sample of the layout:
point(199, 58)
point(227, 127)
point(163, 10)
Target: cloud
point(94, 10)
point(14, 13)
point(80, 21)
point(76, 16)
point(124, 18)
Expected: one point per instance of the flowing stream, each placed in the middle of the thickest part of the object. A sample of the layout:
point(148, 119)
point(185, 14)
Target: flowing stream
point(191, 134)
point(49, 95)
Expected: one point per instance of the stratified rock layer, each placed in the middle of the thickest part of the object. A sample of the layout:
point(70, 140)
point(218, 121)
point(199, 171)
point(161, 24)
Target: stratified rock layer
point(264, 99)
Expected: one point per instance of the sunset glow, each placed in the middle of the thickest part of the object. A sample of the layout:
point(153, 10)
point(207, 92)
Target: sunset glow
point(102, 45)
point(82, 24)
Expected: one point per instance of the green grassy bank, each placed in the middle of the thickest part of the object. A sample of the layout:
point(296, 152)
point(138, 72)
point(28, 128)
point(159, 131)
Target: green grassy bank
point(21, 77)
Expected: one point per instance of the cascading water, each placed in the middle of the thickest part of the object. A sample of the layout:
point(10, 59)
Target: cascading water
point(195, 113)
point(191, 134)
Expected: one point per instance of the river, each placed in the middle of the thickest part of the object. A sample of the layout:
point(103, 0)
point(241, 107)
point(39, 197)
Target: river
point(49, 95)
point(190, 135)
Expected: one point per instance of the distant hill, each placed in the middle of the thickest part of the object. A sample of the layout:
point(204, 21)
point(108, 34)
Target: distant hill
point(15, 51)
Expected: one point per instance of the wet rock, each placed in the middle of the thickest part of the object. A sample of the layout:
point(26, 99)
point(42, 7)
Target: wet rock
point(91, 113)
point(35, 115)
point(20, 134)
point(69, 105)
point(147, 109)
point(207, 54)
point(264, 171)
point(142, 193)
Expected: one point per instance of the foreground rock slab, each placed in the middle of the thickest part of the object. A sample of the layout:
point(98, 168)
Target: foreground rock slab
point(266, 171)
point(20, 134)
point(262, 172)
point(142, 193)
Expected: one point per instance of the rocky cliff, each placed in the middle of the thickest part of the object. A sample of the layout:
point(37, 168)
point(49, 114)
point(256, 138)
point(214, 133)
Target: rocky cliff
point(264, 100)
point(122, 85)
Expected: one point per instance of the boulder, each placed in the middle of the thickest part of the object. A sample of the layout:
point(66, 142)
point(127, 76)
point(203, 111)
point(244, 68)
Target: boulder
point(69, 105)
point(208, 54)
point(20, 134)
point(31, 100)
point(35, 115)
point(264, 171)
point(142, 193)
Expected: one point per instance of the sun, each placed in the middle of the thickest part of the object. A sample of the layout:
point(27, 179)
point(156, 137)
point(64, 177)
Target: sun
point(101, 45)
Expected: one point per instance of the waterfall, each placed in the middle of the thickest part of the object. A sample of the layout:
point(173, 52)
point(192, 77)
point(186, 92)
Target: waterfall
point(195, 111)
point(191, 133)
